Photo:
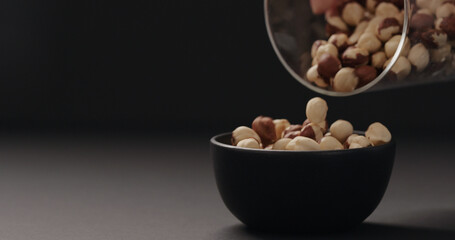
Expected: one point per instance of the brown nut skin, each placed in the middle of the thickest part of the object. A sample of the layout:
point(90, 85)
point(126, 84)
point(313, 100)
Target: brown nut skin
point(378, 134)
point(447, 25)
point(330, 143)
point(249, 143)
point(433, 38)
point(355, 56)
point(265, 128)
point(387, 28)
point(316, 110)
point(313, 76)
point(378, 59)
point(280, 126)
point(341, 130)
point(243, 132)
point(340, 40)
point(303, 144)
point(328, 66)
point(352, 13)
point(421, 22)
point(281, 144)
point(419, 56)
point(366, 74)
point(345, 80)
point(292, 131)
point(369, 42)
point(312, 131)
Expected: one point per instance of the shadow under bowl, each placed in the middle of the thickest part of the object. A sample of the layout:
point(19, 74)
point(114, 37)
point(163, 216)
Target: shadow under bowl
point(318, 191)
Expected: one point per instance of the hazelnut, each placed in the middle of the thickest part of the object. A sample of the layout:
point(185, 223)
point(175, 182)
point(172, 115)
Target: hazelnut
point(385, 9)
point(434, 38)
point(316, 46)
point(355, 146)
point(419, 57)
point(316, 110)
point(445, 10)
point(324, 126)
point(431, 5)
point(281, 144)
point(369, 42)
point(447, 25)
point(345, 80)
point(249, 143)
point(422, 21)
point(354, 56)
point(352, 13)
point(378, 134)
point(400, 17)
point(424, 11)
point(359, 30)
point(378, 59)
point(280, 126)
point(312, 75)
point(341, 130)
point(373, 25)
point(387, 28)
point(302, 144)
point(328, 66)
point(371, 5)
point(327, 48)
point(391, 46)
point(330, 143)
point(334, 23)
point(340, 40)
point(348, 141)
point(441, 54)
point(243, 132)
point(359, 142)
point(401, 69)
point(312, 131)
point(292, 131)
point(265, 128)
point(366, 74)
point(292, 134)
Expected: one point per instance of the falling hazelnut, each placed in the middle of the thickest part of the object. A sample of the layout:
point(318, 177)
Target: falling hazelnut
point(378, 134)
point(316, 110)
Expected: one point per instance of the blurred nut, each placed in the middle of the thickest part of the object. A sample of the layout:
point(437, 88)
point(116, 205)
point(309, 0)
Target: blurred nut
point(400, 18)
point(265, 128)
point(312, 75)
point(280, 126)
point(371, 5)
point(369, 42)
point(348, 141)
point(366, 74)
point(422, 21)
point(316, 110)
point(424, 11)
point(334, 23)
point(312, 131)
point(373, 25)
point(302, 144)
point(431, 5)
point(316, 45)
point(378, 134)
point(341, 130)
point(361, 141)
point(292, 135)
point(401, 69)
point(354, 56)
point(391, 46)
point(441, 54)
point(242, 133)
point(249, 143)
point(281, 144)
point(385, 9)
point(419, 57)
point(352, 13)
point(345, 80)
point(328, 66)
point(355, 146)
point(388, 27)
point(292, 131)
point(326, 48)
point(447, 25)
point(330, 143)
point(434, 38)
point(445, 10)
point(340, 40)
point(378, 59)
point(359, 30)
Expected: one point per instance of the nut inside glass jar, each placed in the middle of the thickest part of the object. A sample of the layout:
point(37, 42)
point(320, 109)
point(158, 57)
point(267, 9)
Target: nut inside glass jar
point(364, 45)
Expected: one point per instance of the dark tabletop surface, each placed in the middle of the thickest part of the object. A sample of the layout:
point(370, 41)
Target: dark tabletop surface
point(163, 188)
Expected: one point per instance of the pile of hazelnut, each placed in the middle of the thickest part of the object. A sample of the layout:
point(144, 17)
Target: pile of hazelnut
point(313, 135)
point(364, 36)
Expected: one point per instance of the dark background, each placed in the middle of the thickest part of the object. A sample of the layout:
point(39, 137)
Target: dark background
point(159, 67)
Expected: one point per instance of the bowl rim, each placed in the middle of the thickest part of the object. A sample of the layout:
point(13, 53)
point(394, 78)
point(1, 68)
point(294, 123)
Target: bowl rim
point(215, 142)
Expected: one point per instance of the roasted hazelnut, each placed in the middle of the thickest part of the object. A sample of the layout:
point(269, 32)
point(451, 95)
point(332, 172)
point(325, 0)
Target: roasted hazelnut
point(378, 59)
point(385, 9)
point(292, 131)
point(334, 23)
point(302, 144)
point(326, 48)
point(401, 69)
point(281, 144)
point(431, 5)
point(447, 25)
point(434, 38)
point(421, 21)
point(355, 146)
point(442, 54)
point(341, 130)
point(369, 42)
point(243, 132)
point(292, 135)
point(387, 28)
point(378, 134)
point(359, 142)
point(419, 57)
point(328, 66)
point(373, 25)
point(348, 141)
point(330, 143)
point(391, 46)
point(340, 40)
point(280, 126)
point(313, 131)
point(445, 10)
point(371, 5)
point(249, 143)
point(345, 80)
point(315, 47)
point(312, 75)
point(352, 13)
point(424, 11)
point(265, 128)
point(359, 30)
point(354, 56)
point(316, 110)
point(400, 18)
point(366, 74)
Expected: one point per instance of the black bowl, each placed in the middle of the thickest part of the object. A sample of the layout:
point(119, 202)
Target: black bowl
point(321, 191)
